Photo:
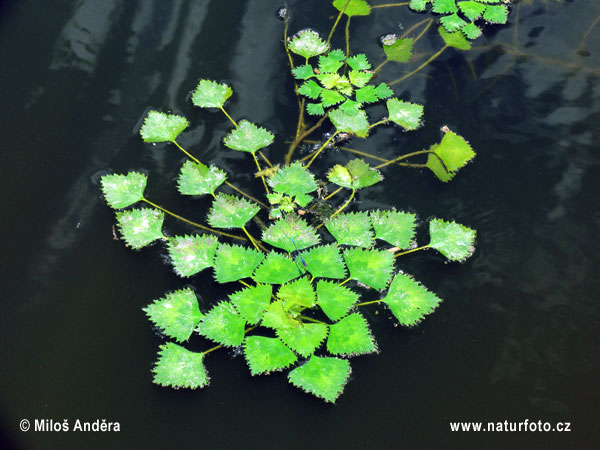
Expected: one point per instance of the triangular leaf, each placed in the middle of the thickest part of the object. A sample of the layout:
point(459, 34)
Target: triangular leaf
point(451, 154)
point(176, 314)
point(210, 94)
point(141, 226)
point(303, 72)
point(284, 233)
point(351, 229)
point(229, 211)
point(418, 5)
point(344, 122)
point(330, 97)
point(265, 355)
point(233, 262)
point(310, 89)
point(329, 63)
point(452, 22)
point(276, 269)
point(121, 191)
point(223, 325)
point(409, 301)
point(248, 137)
point(315, 109)
point(456, 39)
point(335, 300)
point(297, 294)
point(198, 179)
point(471, 31)
point(399, 50)
point(496, 14)
point(276, 317)
point(354, 8)
point(383, 91)
point(178, 367)
point(359, 78)
point(341, 176)
point(359, 62)
point(307, 43)
point(325, 261)
point(362, 174)
point(406, 114)
point(322, 377)
point(293, 180)
point(370, 267)
point(161, 127)
point(395, 227)
point(471, 9)
point(367, 94)
point(305, 338)
point(453, 240)
point(192, 254)
point(350, 337)
point(252, 302)
point(444, 6)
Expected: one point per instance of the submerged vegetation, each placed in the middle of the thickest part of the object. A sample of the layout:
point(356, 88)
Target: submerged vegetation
point(301, 280)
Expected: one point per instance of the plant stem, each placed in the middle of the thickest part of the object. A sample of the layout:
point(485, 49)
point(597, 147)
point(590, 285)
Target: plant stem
point(333, 193)
point(423, 31)
point(341, 208)
point(399, 158)
point(412, 250)
point(300, 127)
point(183, 219)
point(337, 20)
point(347, 39)
point(197, 161)
point(321, 148)
point(368, 303)
point(262, 177)
point(294, 144)
point(373, 125)
point(345, 281)
point(229, 117)
point(310, 319)
point(389, 5)
point(251, 239)
point(244, 283)
point(235, 188)
point(265, 158)
point(434, 56)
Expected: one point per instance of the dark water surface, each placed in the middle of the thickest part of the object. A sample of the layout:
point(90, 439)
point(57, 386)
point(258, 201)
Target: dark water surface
point(517, 336)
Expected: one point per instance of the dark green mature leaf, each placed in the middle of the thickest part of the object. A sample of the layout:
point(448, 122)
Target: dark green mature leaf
point(315, 109)
point(303, 72)
point(266, 355)
point(456, 39)
point(252, 302)
point(370, 267)
point(471, 9)
point(451, 154)
point(451, 239)
point(299, 293)
point(276, 269)
point(121, 191)
point(310, 89)
point(176, 314)
point(198, 179)
point(293, 180)
point(400, 50)
point(307, 43)
point(283, 233)
point(354, 8)
point(229, 211)
point(335, 300)
point(496, 14)
point(178, 367)
point(452, 22)
point(305, 338)
point(141, 226)
point(345, 122)
point(276, 317)
point(409, 301)
point(192, 254)
point(350, 337)
point(233, 262)
point(322, 377)
point(248, 137)
point(223, 325)
point(359, 62)
point(444, 6)
point(407, 115)
point(395, 227)
point(383, 91)
point(161, 127)
point(367, 94)
point(351, 229)
point(210, 94)
point(325, 261)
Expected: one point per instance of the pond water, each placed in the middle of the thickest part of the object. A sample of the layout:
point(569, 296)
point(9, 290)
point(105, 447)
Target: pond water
point(517, 336)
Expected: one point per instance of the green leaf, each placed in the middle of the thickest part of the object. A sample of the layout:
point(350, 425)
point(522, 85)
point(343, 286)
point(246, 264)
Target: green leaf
point(229, 211)
point(471, 30)
point(252, 302)
point(305, 338)
point(315, 109)
point(223, 325)
point(302, 199)
point(456, 39)
point(310, 89)
point(452, 22)
point(299, 293)
point(329, 63)
point(354, 8)
point(444, 6)
point(276, 317)
point(335, 300)
point(471, 9)
point(322, 377)
point(451, 239)
point(370, 267)
point(198, 179)
point(178, 367)
point(176, 314)
point(409, 301)
point(330, 98)
point(140, 227)
point(451, 154)
point(210, 94)
point(360, 79)
point(276, 269)
point(233, 262)
point(418, 5)
point(359, 62)
point(351, 229)
point(350, 107)
point(248, 137)
point(121, 191)
point(293, 180)
point(435, 164)
point(337, 54)
point(307, 43)
point(344, 122)
point(350, 337)
point(400, 50)
point(367, 94)
point(395, 227)
point(407, 115)
point(496, 14)
point(325, 261)
point(362, 174)
point(303, 72)
point(265, 355)
point(161, 127)
point(192, 254)
point(383, 91)
point(282, 231)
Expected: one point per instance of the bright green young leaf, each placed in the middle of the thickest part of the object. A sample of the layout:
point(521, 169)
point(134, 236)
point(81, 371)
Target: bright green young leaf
point(383, 91)
point(359, 78)
point(471, 9)
point(329, 63)
point(350, 107)
point(322, 377)
point(276, 269)
point(293, 180)
point(341, 176)
point(252, 302)
point(496, 14)
point(248, 137)
point(367, 94)
point(400, 50)
point(310, 89)
point(304, 339)
point(354, 8)
point(233, 262)
point(161, 127)
point(370, 267)
point(223, 325)
point(351, 229)
point(453, 240)
point(315, 109)
point(362, 175)
point(302, 199)
point(350, 337)
point(335, 300)
point(409, 301)
point(394, 227)
point(192, 254)
point(359, 62)
point(471, 31)
point(141, 226)
point(121, 191)
point(418, 5)
point(303, 72)
point(299, 293)
point(210, 94)
point(337, 54)
point(266, 355)
point(452, 22)
point(436, 165)
point(229, 211)
point(329, 80)
point(325, 261)
point(406, 114)
point(444, 6)
point(178, 367)
point(456, 39)
point(451, 154)
point(284, 233)
point(198, 179)
point(176, 314)
point(344, 122)
point(307, 43)
point(277, 318)
point(330, 97)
